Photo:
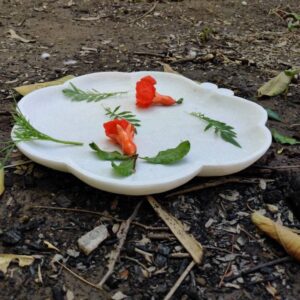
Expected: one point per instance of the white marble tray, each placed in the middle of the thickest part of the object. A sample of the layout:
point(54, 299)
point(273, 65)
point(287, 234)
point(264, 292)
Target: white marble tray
point(161, 128)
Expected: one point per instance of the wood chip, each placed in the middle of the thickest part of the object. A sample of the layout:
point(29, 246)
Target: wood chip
point(92, 239)
point(187, 241)
point(2, 187)
point(15, 36)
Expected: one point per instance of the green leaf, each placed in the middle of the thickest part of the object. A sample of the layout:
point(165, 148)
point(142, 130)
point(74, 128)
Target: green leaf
point(283, 139)
point(104, 155)
point(278, 84)
point(170, 156)
point(127, 115)
point(229, 138)
point(226, 131)
point(77, 94)
point(126, 167)
point(24, 131)
point(273, 115)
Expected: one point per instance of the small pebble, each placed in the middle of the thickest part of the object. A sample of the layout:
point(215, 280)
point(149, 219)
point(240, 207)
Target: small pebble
point(201, 281)
point(163, 250)
point(45, 55)
point(160, 260)
point(80, 266)
point(63, 201)
point(73, 253)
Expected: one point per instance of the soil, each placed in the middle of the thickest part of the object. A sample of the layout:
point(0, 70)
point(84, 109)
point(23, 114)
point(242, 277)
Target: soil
point(235, 44)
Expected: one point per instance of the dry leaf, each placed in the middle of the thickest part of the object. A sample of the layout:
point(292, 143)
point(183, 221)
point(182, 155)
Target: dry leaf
point(51, 246)
point(26, 89)
point(272, 291)
point(283, 235)
point(6, 259)
point(168, 69)
point(15, 36)
point(118, 296)
point(278, 84)
point(2, 187)
point(187, 241)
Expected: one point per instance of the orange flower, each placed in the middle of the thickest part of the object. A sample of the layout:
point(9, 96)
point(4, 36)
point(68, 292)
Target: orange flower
point(121, 132)
point(146, 94)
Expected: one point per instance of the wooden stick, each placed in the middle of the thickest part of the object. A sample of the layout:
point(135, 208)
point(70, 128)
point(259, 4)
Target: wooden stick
point(179, 280)
point(101, 215)
point(78, 276)
point(278, 167)
point(144, 53)
point(257, 268)
point(213, 183)
point(146, 13)
point(114, 255)
point(192, 246)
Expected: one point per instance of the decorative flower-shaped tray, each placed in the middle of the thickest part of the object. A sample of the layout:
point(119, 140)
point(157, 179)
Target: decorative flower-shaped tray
point(51, 112)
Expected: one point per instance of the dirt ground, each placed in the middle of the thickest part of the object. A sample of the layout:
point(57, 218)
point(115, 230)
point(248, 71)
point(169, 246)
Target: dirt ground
point(234, 44)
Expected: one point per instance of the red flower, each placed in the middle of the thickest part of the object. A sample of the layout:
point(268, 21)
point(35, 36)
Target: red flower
point(146, 94)
point(121, 132)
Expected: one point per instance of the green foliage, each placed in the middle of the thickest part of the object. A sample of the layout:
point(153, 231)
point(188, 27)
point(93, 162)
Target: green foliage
point(225, 131)
point(77, 94)
point(126, 167)
point(273, 115)
point(170, 156)
point(24, 131)
point(105, 155)
point(283, 139)
point(127, 115)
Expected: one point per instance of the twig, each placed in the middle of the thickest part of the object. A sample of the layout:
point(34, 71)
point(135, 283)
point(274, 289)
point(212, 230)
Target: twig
point(294, 125)
point(114, 255)
point(160, 236)
point(104, 215)
point(76, 210)
point(147, 255)
point(18, 164)
point(278, 167)
point(149, 228)
point(216, 248)
point(79, 277)
point(179, 255)
point(229, 265)
point(213, 183)
point(183, 60)
point(137, 262)
point(179, 280)
point(146, 13)
point(257, 268)
point(144, 53)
